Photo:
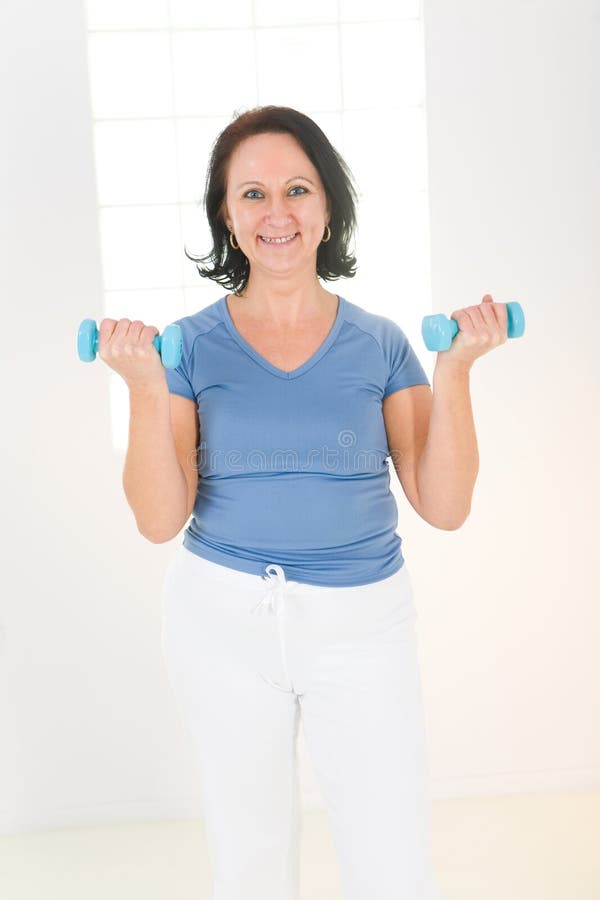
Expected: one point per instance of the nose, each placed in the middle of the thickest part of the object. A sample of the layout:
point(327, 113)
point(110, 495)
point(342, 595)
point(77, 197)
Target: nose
point(277, 211)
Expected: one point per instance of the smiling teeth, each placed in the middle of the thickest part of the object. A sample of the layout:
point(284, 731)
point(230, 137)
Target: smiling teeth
point(277, 240)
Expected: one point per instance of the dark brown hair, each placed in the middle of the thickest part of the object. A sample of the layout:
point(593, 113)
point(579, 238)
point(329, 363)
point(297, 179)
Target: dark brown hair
point(230, 267)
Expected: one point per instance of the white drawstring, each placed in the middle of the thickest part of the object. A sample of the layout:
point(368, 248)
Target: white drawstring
point(273, 600)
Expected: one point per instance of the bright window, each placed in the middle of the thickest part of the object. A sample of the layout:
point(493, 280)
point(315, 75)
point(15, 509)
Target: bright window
point(167, 75)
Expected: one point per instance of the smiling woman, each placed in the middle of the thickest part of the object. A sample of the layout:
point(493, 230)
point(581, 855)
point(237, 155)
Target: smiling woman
point(294, 517)
point(290, 402)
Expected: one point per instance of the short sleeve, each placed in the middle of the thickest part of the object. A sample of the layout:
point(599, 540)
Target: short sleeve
point(178, 379)
point(403, 366)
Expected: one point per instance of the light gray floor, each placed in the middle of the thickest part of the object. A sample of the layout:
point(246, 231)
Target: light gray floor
point(534, 847)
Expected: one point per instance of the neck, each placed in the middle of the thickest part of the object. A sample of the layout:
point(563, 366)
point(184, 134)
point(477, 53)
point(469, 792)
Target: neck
point(284, 304)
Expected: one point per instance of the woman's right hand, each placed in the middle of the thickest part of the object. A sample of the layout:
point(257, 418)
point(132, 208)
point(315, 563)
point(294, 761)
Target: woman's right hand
point(127, 348)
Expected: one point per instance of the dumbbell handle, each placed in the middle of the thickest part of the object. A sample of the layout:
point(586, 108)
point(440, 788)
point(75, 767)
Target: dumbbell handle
point(438, 331)
point(95, 341)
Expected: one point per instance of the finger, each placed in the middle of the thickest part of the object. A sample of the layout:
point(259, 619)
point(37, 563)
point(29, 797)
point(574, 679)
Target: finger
point(464, 320)
point(477, 322)
point(122, 327)
point(491, 325)
point(105, 333)
point(107, 326)
point(120, 338)
point(148, 334)
point(502, 316)
point(135, 330)
point(495, 315)
point(484, 314)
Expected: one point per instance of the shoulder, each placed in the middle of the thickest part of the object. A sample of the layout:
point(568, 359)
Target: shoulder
point(202, 321)
point(199, 323)
point(384, 331)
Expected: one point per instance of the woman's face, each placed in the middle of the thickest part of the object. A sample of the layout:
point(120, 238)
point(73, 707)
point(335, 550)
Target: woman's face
point(274, 191)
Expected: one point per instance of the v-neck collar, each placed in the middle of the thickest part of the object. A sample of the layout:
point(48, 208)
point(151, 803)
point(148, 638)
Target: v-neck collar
point(280, 373)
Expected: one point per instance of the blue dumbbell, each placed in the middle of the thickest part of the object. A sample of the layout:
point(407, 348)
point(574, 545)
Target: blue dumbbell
point(169, 344)
point(439, 331)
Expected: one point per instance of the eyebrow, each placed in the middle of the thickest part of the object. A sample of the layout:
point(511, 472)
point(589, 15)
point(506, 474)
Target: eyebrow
point(295, 178)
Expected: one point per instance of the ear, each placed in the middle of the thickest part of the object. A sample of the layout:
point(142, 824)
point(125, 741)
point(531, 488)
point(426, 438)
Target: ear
point(225, 217)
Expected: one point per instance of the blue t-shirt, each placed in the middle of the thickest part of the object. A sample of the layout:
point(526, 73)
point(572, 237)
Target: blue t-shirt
point(293, 466)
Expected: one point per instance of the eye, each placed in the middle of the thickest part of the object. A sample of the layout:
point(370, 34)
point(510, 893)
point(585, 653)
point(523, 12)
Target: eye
point(255, 191)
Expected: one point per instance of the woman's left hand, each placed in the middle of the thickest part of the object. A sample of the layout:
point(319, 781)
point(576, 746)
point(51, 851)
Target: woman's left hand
point(481, 328)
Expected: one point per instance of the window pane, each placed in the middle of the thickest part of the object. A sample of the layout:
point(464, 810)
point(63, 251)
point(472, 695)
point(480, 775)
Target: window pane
point(309, 12)
point(376, 10)
point(136, 162)
point(394, 159)
point(191, 14)
point(393, 258)
point(141, 247)
point(213, 72)
point(130, 75)
point(383, 65)
point(195, 138)
point(126, 14)
point(152, 307)
point(285, 78)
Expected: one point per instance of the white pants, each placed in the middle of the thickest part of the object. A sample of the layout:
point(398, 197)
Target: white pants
point(246, 655)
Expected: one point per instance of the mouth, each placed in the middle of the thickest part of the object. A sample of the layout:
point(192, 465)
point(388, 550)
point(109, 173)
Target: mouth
point(278, 241)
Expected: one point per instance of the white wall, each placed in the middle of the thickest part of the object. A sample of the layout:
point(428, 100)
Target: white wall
point(510, 620)
point(89, 731)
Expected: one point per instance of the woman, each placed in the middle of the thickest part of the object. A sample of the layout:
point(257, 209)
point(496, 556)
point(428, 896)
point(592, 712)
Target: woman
point(289, 594)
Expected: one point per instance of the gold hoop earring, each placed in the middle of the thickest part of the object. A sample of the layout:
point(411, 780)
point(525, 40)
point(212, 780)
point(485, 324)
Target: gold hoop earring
point(325, 239)
point(231, 240)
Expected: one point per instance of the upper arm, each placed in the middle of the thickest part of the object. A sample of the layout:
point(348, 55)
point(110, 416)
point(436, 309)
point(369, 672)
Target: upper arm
point(185, 426)
point(406, 415)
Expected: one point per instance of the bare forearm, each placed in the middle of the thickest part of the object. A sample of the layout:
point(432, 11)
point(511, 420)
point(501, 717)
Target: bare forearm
point(449, 462)
point(153, 480)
